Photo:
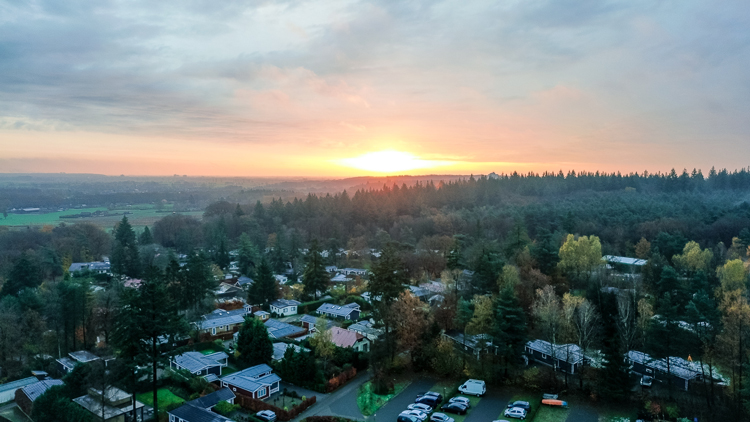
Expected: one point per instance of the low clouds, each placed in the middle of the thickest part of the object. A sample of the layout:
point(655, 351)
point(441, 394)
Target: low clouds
point(528, 80)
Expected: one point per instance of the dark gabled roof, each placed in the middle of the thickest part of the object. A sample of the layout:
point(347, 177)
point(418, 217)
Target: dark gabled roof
point(67, 362)
point(278, 329)
point(210, 400)
point(569, 353)
point(283, 303)
point(15, 385)
point(33, 391)
point(338, 310)
point(677, 366)
point(244, 281)
point(191, 413)
point(220, 317)
point(197, 361)
point(251, 379)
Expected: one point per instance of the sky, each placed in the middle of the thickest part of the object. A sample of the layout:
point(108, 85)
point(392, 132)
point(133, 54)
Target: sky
point(307, 88)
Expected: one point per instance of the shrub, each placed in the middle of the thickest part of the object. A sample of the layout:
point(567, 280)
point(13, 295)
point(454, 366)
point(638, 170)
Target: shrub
point(224, 408)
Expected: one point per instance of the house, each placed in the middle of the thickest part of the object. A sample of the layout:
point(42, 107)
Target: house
point(353, 271)
point(26, 396)
point(199, 410)
point(624, 264)
point(331, 268)
point(366, 329)
point(258, 382)
point(110, 406)
point(229, 291)
point(342, 337)
point(309, 321)
point(199, 364)
point(284, 307)
point(244, 282)
point(66, 363)
point(8, 390)
point(420, 293)
point(477, 345)
point(277, 329)
point(220, 321)
point(280, 348)
point(562, 357)
point(349, 311)
point(262, 315)
point(339, 278)
point(99, 267)
point(680, 371)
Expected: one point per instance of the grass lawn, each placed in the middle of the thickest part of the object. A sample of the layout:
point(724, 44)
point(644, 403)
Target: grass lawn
point(140, 215)
point(369, 402)
point(208, 351)
point(164, 396)
point(617, 415)
point(551, 414)
point(228, 370)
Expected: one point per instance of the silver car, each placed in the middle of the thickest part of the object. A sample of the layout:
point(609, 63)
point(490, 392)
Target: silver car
point(515, 412)
point(462, 400)
point(419, 406)
point(441, 417)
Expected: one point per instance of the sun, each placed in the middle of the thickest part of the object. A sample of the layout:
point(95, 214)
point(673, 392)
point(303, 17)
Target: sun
point(391, 162)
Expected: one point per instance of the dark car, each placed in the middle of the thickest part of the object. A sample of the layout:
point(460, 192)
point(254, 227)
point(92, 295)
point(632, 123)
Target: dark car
point(431, 401)
point(407, 418)
point(522, 404)
point(454, 407)
point(431, 393)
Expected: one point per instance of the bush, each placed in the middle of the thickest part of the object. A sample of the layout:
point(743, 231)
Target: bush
point(224, 408)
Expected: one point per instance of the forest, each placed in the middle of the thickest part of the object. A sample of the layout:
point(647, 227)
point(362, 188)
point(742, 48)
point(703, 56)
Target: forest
point(521, 257)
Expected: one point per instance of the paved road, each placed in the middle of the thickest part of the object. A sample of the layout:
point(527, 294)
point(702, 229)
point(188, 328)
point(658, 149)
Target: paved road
point(389, 412)
point(490, 407)
point(582, 413)
point(342, 402)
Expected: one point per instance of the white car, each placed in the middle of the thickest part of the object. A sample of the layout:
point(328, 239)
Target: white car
point(266, 415)
point(422, 416)
point(459, 399)
point(515, 412)
point(473, 388)
point(440, 417)
point(419, 406)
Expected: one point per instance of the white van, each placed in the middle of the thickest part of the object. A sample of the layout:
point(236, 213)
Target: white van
point(473, 387)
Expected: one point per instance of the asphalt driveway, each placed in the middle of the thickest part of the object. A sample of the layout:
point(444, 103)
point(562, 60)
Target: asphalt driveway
point(582, 413)
point(491, 405)
point(389, 412)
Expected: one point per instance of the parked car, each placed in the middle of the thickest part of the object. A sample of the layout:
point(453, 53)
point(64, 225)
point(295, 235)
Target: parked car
point(441, 417)
point(407, 418)
point(431, 401)
point(522, 404)
point(647, 381)
point(419, 406)
point(266, 415)
point(454, 407)
point(515, 412)
point(473, 387)
point(459, 399)
point(431, 393)
point(416, 413)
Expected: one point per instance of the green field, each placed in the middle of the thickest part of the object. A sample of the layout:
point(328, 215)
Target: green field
point(164, 396)
point(141, 215)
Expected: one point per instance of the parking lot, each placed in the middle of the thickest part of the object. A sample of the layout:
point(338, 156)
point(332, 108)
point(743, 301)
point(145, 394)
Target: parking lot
point(487, 409)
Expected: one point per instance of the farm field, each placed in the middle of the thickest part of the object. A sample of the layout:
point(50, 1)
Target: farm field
point(140, 215)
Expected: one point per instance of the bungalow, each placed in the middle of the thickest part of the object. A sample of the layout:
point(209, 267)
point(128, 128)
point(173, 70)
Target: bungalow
point(258, 382)
point(244, 282)
point(199, 410)
point(262, 315)
point(199, 364)
point(309, 321)
point(98, 267)
point(111, 406)
point(349, 311)
point(220, 321)
point(342, 337)
point(366, 329)
point(66, 363)
point(477, 345)
point(353, 271)
point(277, 329)
point(279, 349)
point(339, 278)
point(331, 268)
point(8, 390)
point(229, 291)
point(26, 396)
point(563, 357)
point(420, 293)
point(284, 307)
point(680, 371)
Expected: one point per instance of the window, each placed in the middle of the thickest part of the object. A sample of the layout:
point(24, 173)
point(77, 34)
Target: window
point(544, 356)
point(262, 392)
point(213, 331)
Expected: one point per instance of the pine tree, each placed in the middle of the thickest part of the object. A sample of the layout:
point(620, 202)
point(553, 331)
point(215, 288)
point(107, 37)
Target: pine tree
point(386, 283)
point(222, 254)
point(315, 277)
point(145, 238)
point(614, 383)
point(510, 327)
point(545, 252)
point(248, 256)
point(486, 272)
point(125, 260)
point(24, 274)
point(253, 343)
point(263, 290)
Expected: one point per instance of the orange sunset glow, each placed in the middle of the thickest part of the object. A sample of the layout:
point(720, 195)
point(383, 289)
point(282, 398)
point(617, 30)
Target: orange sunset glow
point(331, 89)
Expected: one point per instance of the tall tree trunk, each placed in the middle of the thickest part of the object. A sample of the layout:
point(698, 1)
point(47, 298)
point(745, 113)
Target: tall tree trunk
point(154, 357)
